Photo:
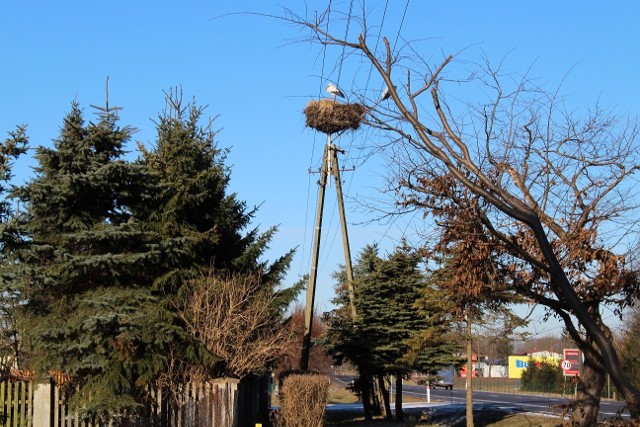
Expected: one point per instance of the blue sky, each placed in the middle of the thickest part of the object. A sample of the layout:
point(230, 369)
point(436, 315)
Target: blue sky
point(256, 75)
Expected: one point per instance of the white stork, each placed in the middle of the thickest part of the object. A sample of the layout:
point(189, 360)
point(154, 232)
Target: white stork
point(386, 93)
point(334, 90)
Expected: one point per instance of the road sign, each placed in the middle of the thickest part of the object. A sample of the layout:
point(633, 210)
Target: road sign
point(574, 357)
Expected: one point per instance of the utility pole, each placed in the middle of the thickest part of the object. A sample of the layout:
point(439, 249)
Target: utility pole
point(345, 233)
point(329, 166)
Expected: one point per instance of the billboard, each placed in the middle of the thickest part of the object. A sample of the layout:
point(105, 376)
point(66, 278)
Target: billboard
point(517, 364)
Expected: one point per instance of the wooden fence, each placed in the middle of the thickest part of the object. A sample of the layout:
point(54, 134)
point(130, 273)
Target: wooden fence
point(216, 403)
point(16, 403)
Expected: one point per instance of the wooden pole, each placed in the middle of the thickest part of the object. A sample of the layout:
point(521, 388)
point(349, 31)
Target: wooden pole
point(329, 166)
point(345, 235)
point(311, 288)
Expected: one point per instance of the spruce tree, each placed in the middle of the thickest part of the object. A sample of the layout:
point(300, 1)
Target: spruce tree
point(90, 312)
point(199, 227)
point(197, 223)
point(391, 335)
point(106, 248)
point(11, 345)
point(403, 339)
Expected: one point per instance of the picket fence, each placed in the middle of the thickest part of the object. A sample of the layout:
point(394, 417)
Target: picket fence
point(16, 403)
point(217, 403)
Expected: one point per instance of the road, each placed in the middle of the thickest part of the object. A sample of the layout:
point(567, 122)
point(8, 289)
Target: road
point(518, 402)
point(526, 402)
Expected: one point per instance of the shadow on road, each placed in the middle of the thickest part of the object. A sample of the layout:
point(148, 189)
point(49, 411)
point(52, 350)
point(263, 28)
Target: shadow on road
point(440, 414)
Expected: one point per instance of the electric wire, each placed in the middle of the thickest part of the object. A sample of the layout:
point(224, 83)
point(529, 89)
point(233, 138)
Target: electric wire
point(329, 248)
point(306, 268)
point(346, 193)
point(346, 34)
point(366, 87)
point(404, 14)
point(375, 48)
point(326, 249)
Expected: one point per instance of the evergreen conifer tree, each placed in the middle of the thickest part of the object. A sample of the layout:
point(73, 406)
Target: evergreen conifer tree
point(11, 346)
point(390, 335)
point(90, 312)
point(107, 246)
point(198, 224)
point(199, 228)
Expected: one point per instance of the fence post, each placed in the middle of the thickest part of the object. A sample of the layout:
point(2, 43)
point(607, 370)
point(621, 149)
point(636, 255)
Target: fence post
point(42, 405)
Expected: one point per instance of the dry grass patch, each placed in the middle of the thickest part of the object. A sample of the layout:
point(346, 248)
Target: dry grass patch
point(338, 394)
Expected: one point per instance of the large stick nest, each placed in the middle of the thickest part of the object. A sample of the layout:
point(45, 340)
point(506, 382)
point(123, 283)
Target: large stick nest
point(330, 116)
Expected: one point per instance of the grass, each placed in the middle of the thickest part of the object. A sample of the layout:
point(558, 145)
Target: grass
point(339, 394)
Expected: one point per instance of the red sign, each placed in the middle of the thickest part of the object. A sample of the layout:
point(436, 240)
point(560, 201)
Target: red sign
point(572, 361)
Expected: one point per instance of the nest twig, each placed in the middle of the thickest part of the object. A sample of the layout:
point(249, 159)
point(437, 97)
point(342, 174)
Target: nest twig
point(330, 116)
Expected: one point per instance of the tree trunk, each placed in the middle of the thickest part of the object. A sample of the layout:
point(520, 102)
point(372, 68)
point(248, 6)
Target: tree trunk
point(376, 404)
point(399, 413)
point(365, 394)
point(605, 344)
point(469, 374)
point(383, 394)
point(590, 386)
point(263, 399)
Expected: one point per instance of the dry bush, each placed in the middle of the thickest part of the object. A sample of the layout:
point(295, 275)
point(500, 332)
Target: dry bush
point(330, 116)
point(304, 400)
point(319, 360)
point(235, 318)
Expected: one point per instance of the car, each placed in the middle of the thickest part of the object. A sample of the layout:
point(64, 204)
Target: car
point(441, 384)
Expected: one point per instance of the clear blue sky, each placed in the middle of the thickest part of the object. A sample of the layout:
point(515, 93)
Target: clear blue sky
point(257, 76)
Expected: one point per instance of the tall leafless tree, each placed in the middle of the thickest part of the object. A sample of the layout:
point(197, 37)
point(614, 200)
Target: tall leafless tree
point(555, 190)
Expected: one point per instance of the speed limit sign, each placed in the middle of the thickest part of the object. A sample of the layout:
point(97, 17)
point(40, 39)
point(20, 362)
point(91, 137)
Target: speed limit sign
point(571, 362)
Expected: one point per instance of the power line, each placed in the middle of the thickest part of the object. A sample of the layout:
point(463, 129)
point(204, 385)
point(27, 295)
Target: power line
point(328, 248)
point(313, 146)
point(384, 14)
point(406, 7)
point(325, 249)
point(375, 49)
point(346, 34)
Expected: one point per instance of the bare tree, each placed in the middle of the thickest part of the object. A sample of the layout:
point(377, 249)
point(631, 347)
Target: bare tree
point(493, 338)
point(550, 343)
point(235, 317)
point(11, 345)
point(319, 360)
point(628, 345)
point(556, 192)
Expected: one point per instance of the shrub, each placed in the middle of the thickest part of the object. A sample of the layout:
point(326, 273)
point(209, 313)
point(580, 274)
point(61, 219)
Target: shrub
point(543, 376)
point(304, 399)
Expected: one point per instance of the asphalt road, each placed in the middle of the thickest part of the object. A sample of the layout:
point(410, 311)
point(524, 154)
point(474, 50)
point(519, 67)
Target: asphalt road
point(517, 402)
point(526, 402)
